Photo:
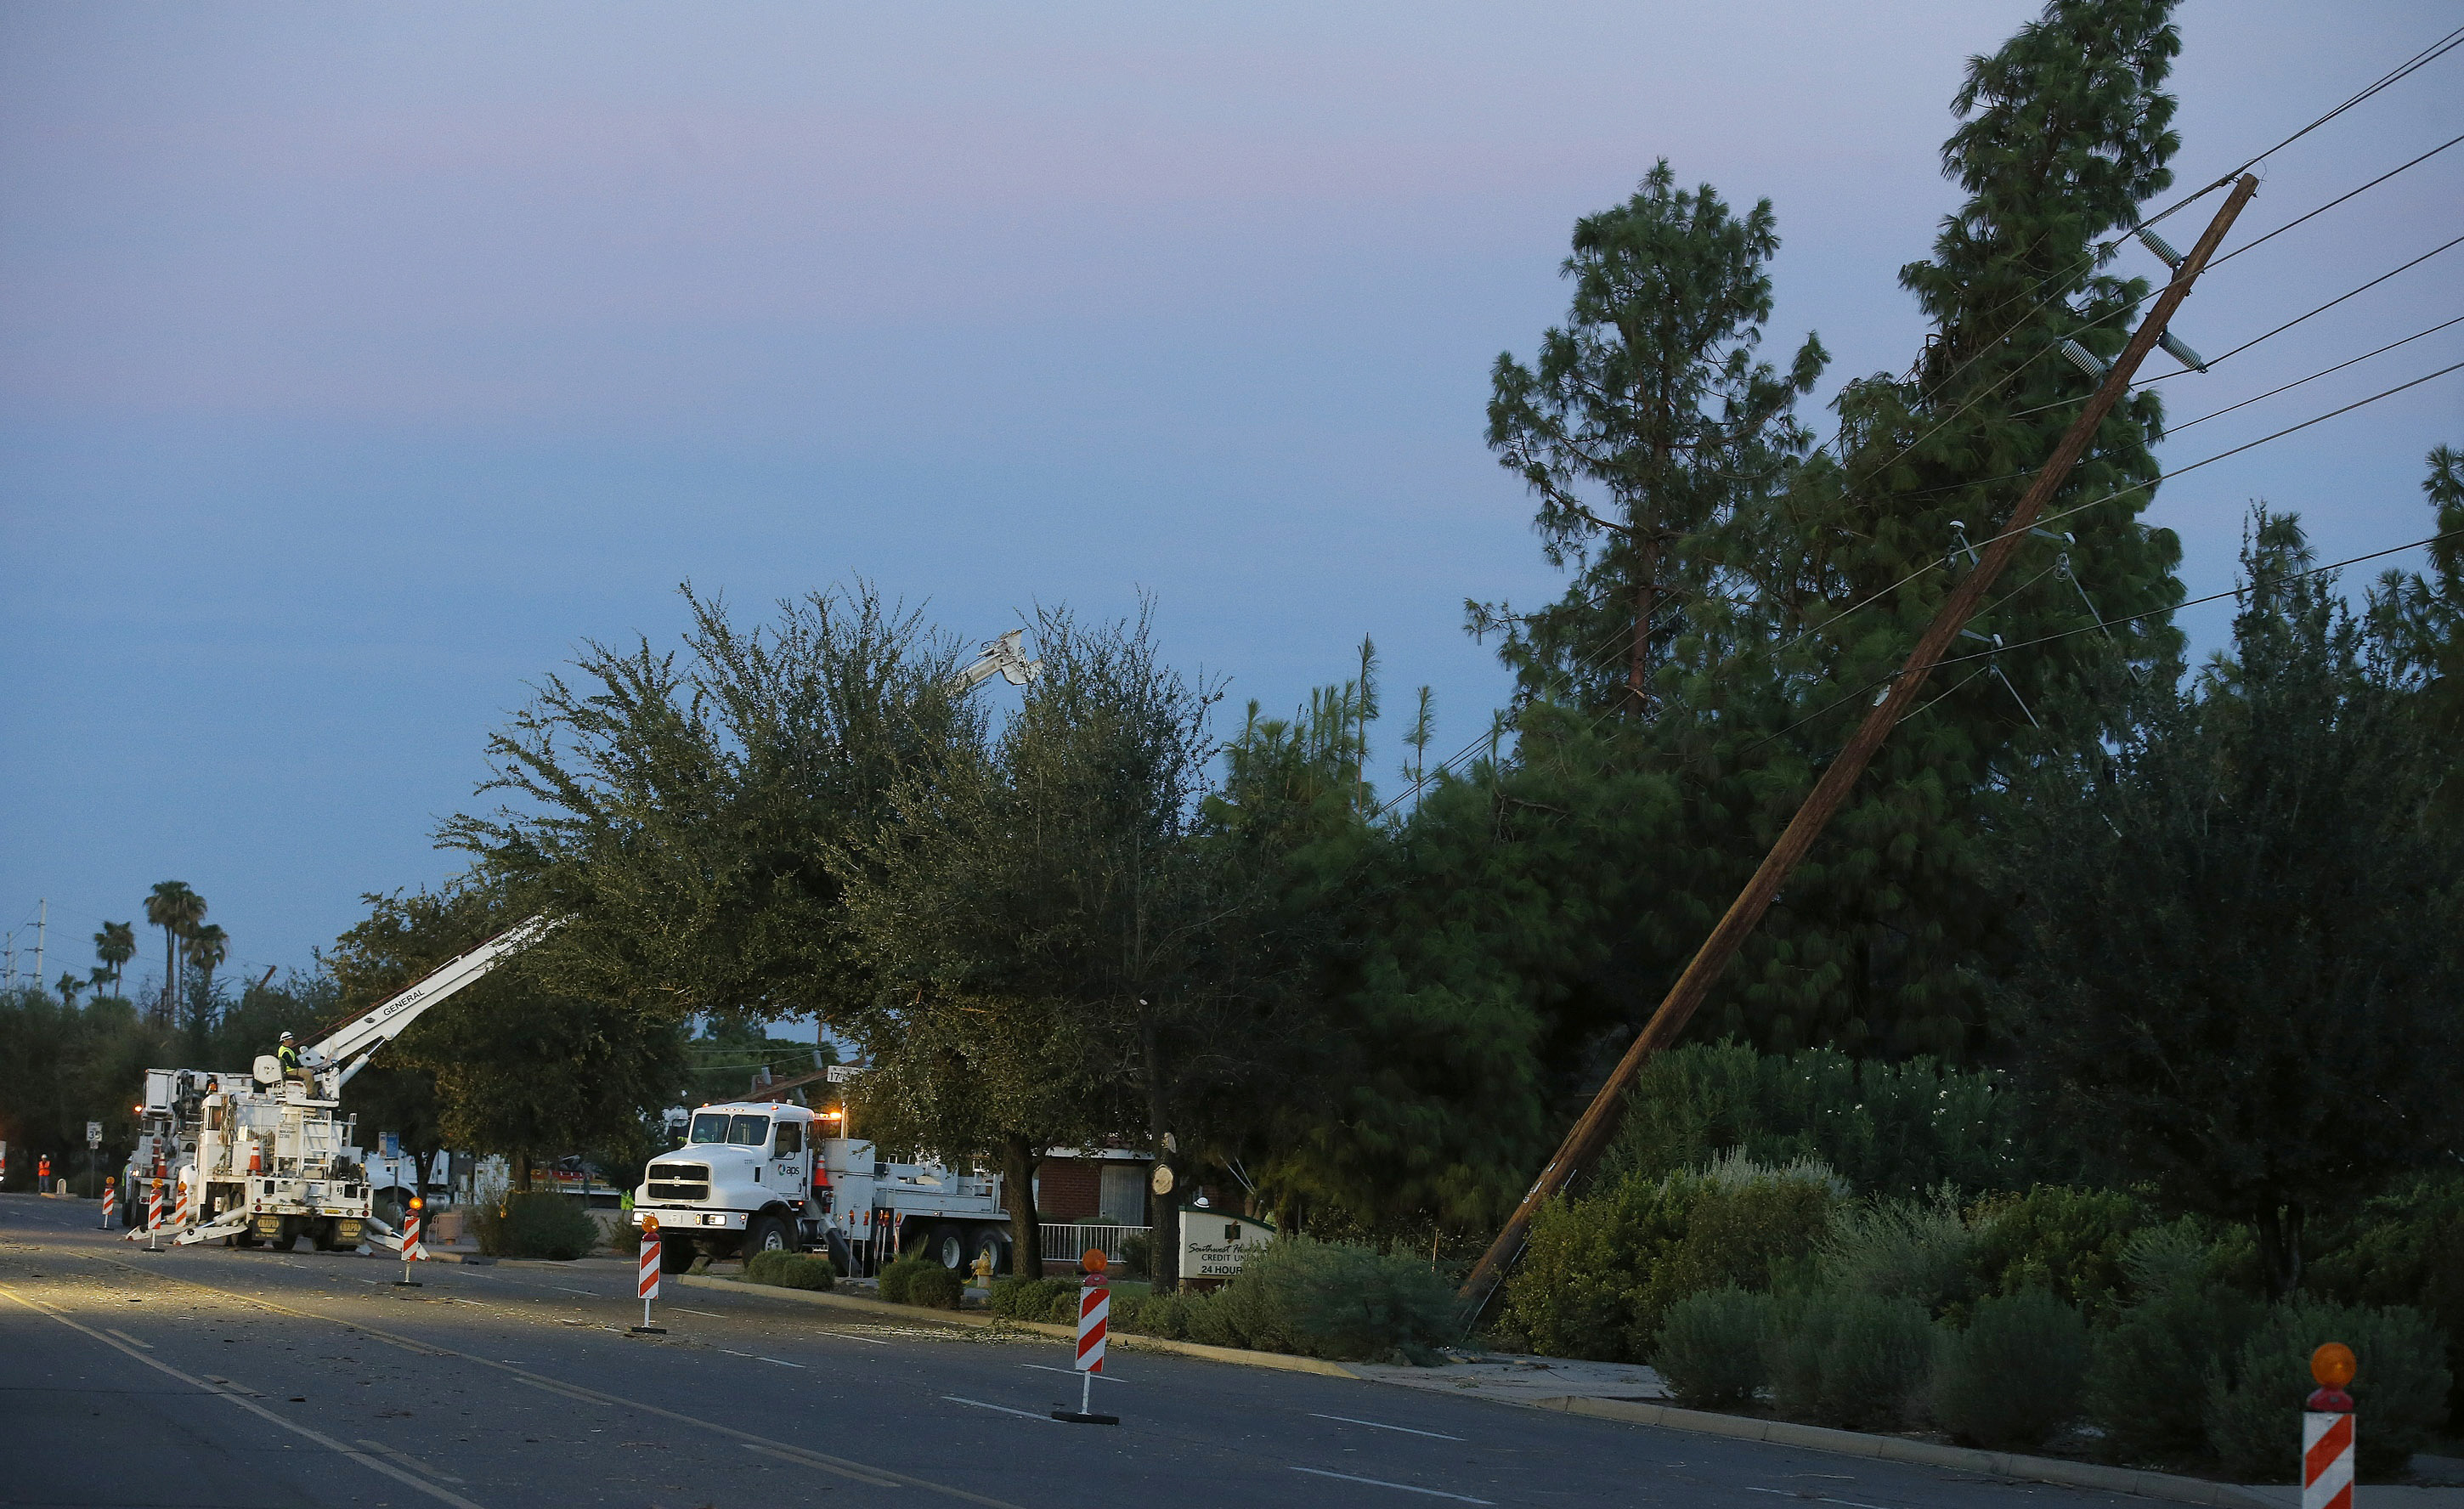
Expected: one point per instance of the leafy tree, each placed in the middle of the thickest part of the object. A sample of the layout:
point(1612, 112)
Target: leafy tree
point(2422, 619)
point(518, 1067)
point(681, 807)
point(1039, 921)
point(2243, 968)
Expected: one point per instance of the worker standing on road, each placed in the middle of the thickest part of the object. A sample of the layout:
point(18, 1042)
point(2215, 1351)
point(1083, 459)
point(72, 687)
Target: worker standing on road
point(43, 1174)
point(287, 1056)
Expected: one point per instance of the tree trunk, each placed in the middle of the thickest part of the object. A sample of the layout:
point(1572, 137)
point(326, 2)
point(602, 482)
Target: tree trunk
point(1163, 1230)
point(2279, 1229)
point(1019, 1158)
point(1646, 606)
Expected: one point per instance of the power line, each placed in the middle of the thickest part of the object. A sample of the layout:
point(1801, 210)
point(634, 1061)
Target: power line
point(2321, 372)
point(2421, 59)
point(2333, 203)
point(2321, 309)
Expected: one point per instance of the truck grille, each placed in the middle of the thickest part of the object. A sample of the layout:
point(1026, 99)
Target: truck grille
point(679, 1181)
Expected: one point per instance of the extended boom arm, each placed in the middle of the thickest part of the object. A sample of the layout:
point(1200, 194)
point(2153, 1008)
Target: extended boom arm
point(363, 1037)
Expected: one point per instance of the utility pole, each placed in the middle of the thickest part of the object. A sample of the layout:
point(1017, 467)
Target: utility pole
point(1592, 1132)
point(42, 926)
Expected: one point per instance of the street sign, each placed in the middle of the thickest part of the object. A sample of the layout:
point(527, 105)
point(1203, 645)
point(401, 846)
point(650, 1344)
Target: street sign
point(94, 1134)
point(392, 1144)
point(842, 1073)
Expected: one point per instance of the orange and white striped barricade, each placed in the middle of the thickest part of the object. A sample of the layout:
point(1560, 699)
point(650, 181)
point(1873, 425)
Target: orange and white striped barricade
point(413, 1248)
point(153, 1214)
point(648, 1280)
point(2328, 1430)
point(110, 1203)
point(1094, 1314)
point(183, 1211)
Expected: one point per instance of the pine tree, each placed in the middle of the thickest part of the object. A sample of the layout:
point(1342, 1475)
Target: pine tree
point(1645, 424)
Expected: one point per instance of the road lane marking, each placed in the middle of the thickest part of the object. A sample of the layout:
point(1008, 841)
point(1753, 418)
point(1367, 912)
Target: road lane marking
point(1799, 1494)
point(587, 1395)
point(363, 1459)
point(776, 1363)
point(869, 1340)
point(812, 1459)
point(1380, 1482)
point(131, 1340)
point(584, 1293)
point(1375, 1425)
point(407, 1461)
point(1068, 1371)
point(712, 1314)
point(1023, 1414)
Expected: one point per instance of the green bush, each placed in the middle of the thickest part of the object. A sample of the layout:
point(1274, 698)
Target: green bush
point(1334, 1300)
point(1888, 1129)
point(1034, 1298)
point(899, 1276)
point(2068, 1242)
point(2407, 1248)
point(1856, 1360)
point(1601, 1272)
point(1136, 1253)
point(1894, 1249)
point(2016, 1375)
point(935, 1287)
point(2147, 1375)
point(535, 1224)
point(1711, 1345)
point(788, 1270)
point(2254, 1412)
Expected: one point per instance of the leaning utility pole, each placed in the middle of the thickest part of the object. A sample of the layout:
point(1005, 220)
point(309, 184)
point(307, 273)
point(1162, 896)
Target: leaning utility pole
point(1592, 1132)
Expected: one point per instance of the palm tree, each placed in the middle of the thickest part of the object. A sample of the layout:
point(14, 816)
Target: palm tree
point(208, 946)
point(175, 908)
point(70, 985)
point(115, 946)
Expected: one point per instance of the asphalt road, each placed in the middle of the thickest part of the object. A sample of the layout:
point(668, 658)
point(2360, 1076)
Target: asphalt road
point(202, 1377)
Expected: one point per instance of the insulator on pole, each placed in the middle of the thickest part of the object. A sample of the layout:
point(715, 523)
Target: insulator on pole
point(2158, 245)
point(2085, 360)
point(2179, 352)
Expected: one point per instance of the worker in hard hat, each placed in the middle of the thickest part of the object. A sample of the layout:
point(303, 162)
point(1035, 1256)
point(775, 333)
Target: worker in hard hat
point(287, 1056)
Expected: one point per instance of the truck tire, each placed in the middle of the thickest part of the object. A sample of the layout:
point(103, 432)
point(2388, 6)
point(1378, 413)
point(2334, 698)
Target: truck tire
point(948, 1247)
point(767, 1234)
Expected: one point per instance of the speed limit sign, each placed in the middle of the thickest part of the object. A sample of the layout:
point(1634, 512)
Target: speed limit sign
point(94, 1134)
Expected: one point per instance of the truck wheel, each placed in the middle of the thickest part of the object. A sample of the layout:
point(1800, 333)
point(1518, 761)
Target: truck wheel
point(320, 1235)
point(948, 1247)
point(767, 1234)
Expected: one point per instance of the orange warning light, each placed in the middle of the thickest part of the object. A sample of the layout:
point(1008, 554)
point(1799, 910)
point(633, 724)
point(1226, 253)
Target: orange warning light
point(651, 1225)
point(1095, 1260)
point(2333, 1365)
point(418, 1203)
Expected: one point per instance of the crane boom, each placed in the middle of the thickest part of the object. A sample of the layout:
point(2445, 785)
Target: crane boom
point(365, 1035)
point(1004, 655)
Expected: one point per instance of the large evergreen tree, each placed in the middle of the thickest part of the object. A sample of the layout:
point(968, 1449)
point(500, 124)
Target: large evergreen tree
point(2243, 967)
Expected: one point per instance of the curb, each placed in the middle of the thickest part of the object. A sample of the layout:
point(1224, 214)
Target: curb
point(1924, 1454)
point(908, 1314)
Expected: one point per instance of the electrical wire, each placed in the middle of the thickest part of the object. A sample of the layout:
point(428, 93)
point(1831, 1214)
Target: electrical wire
point(2332, 203)
point(2321, 372)
point(2321, 310)
point(2419, 60)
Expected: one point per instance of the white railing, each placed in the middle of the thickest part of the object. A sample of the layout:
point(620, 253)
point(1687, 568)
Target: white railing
point(1066, 1241)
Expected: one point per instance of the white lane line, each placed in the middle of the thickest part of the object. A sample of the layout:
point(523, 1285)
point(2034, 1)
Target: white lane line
point(869, 1340)
point(712, 1314)
point(1023, 1414)
point(363, 1459)
point(826, 1464)
point(131, 1340)
point(1099, 1377)
point(407, 1461)
point(1791, 1493)
point(1380, 1482)
point(776, 1363)
point(1375, 1425)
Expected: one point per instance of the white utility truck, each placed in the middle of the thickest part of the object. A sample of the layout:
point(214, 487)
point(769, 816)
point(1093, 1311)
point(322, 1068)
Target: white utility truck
point(763, 1175)
point(263, 1156)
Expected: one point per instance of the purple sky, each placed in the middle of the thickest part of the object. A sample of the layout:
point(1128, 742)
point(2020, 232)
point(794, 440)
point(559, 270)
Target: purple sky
point(357, 362)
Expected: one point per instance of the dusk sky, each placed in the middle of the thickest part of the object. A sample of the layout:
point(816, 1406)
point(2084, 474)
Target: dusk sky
point(357, 362)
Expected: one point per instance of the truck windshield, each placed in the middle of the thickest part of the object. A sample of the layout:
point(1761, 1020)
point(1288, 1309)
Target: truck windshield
point(747, 1131)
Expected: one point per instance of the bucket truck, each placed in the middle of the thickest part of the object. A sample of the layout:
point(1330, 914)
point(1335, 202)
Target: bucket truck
point(263, 1156)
